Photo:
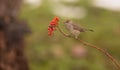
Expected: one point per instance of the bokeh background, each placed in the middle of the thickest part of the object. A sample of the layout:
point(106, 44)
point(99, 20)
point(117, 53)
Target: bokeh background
point(61, 53)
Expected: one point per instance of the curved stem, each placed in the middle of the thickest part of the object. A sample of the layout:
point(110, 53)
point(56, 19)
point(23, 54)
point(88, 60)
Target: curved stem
point(97, 48)
point(101, 50)
point(62, 32)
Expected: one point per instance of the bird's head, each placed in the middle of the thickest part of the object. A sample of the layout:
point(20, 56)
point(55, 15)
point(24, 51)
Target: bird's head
point(68, 21)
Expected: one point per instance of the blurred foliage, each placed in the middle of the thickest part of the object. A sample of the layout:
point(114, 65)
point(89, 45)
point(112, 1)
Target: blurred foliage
point(54, 53)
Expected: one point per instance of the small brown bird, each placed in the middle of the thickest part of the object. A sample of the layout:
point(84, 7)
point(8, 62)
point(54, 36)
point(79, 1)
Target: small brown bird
point(75, 29)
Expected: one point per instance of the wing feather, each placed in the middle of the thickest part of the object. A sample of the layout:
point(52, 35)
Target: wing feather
point(78, 27)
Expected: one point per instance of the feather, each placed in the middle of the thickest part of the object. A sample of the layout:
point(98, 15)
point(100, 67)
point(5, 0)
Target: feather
point(78, 27)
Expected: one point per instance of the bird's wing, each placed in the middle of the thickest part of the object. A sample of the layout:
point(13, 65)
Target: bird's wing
point(78, 27)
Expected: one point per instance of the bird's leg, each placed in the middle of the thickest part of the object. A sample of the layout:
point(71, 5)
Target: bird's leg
point(76, 36)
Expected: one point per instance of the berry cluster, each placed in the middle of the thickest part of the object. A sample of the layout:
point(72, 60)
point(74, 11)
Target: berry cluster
point(52, 25)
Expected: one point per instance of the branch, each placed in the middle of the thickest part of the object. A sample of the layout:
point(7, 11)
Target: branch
point(95, 47)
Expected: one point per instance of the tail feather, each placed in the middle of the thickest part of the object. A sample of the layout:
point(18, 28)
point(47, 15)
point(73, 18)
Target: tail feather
point(89, 30)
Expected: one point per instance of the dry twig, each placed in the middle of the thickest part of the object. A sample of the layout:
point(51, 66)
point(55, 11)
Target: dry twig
point(95, 47)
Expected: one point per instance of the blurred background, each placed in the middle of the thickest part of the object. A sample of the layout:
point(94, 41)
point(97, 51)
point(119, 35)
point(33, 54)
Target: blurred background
point(61, 53)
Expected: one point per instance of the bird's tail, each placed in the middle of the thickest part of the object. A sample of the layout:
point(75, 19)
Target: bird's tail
point(89, 30)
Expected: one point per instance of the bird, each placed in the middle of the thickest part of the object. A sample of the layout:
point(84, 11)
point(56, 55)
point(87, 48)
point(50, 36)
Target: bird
point(74, 28)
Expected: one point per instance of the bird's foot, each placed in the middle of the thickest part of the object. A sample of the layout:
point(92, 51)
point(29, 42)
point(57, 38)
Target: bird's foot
point(76, 37)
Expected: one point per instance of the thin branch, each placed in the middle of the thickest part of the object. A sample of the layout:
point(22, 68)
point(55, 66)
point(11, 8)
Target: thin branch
point(101, 50)
point(97, 48)
point(62, 32)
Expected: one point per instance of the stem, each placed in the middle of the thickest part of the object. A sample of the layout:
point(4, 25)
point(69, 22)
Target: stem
point(101, 50)
point(95, 47)
point(66, 35)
